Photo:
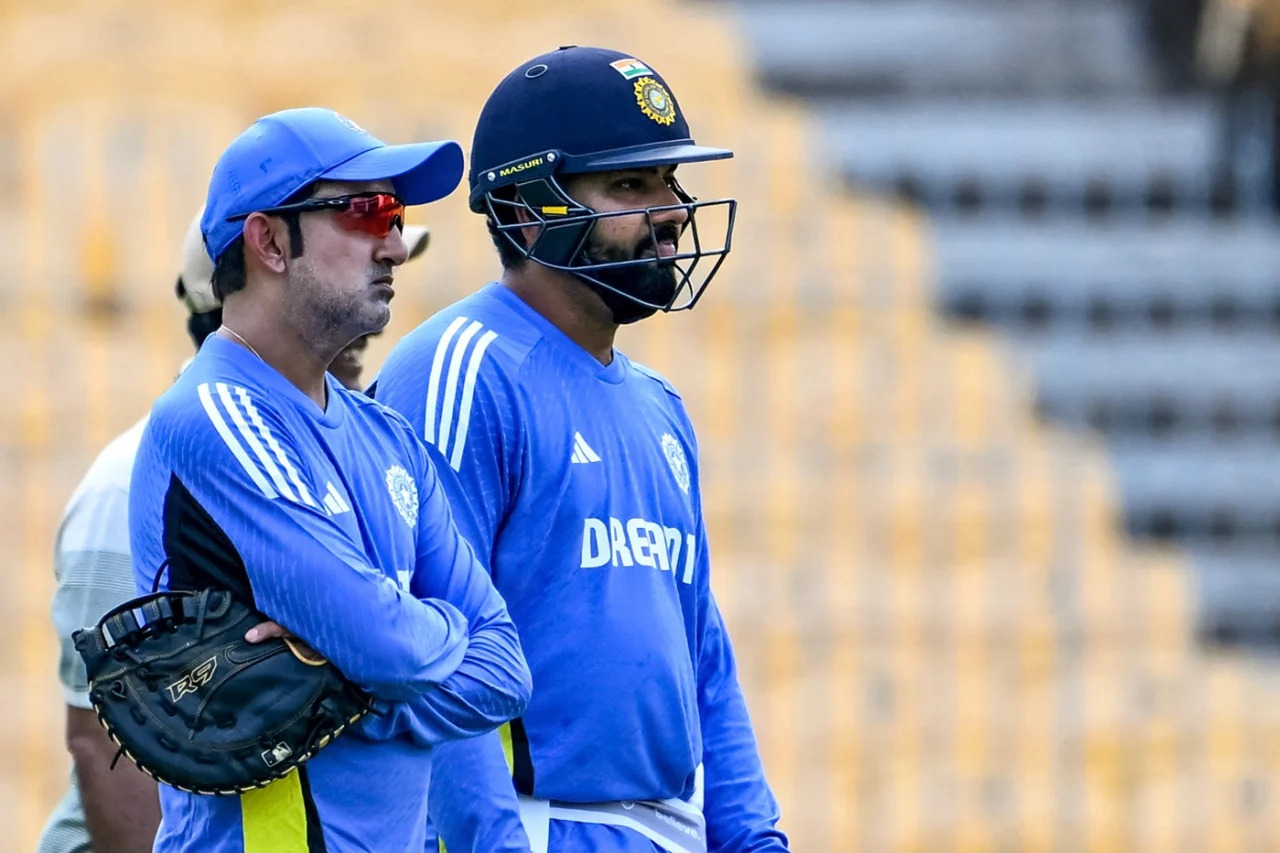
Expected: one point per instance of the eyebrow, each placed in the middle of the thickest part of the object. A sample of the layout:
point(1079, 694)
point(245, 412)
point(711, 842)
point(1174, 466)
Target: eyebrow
point(649, 170)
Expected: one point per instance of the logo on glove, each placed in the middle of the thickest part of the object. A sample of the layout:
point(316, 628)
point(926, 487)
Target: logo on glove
point(276, 754)
point(200, 675)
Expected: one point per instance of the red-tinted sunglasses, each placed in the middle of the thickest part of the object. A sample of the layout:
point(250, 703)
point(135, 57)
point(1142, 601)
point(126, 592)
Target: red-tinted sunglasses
point(372, 213)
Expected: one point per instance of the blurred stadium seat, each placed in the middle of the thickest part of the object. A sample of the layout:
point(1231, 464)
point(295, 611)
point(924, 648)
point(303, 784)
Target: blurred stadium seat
point(947, 642)
point(1066, 276)
point(1170, 387)
point(923, 47)
point(1097, 156)
point(1122, 237)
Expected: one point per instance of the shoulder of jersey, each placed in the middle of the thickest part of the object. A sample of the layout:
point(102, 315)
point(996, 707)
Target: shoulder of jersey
point(209, 373)
point(360, 400)
point(371, 407)
point(656, 377)
point(478, 335)
point(209, 396)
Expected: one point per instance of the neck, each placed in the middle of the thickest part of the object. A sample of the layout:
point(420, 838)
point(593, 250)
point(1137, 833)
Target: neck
point(567, 304)
point(282, 347)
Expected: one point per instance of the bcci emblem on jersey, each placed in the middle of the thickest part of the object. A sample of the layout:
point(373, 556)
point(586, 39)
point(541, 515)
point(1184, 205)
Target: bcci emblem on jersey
point(675, 458)
point(404, 494)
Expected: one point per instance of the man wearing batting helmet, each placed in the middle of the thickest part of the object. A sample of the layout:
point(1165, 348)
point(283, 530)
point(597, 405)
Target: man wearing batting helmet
point(574, 472)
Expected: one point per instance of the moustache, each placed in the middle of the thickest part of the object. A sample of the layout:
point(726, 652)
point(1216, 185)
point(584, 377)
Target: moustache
point(665, 233)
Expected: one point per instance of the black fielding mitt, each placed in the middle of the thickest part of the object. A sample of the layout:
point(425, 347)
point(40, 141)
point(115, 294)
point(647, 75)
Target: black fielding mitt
point(196, 706)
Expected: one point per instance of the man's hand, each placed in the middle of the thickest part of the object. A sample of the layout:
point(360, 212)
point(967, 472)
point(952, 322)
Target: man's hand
point(268, 630)
point(264, 631)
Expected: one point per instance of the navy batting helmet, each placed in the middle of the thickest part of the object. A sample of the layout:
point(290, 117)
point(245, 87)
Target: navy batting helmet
point(586, 109)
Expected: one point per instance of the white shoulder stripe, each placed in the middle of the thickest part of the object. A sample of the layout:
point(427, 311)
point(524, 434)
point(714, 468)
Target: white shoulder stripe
point(451, 386)
point(211, 409)
point(270, 439)
point(337, 499)
point(433, 388)
point(250, 439)
point(468, 394)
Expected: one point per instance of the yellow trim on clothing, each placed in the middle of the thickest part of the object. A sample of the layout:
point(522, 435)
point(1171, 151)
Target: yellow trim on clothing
point(274, 818)
point(508, 751)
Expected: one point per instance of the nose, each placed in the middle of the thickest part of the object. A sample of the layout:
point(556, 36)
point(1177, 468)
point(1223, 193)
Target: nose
point(676, 216)
point(393, 248)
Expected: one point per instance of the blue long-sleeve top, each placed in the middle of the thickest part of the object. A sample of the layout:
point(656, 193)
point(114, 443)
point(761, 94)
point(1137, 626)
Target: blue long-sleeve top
point(578, 485)
point(347, 540)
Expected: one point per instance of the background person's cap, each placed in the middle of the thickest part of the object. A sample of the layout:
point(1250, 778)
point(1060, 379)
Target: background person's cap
point(195, 276)
point(284, 152)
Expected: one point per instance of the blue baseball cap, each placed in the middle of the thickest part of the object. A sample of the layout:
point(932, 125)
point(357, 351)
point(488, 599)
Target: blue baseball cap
point(284, 152)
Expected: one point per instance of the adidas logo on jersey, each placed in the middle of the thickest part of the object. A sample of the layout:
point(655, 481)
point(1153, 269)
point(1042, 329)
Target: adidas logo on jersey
point(333, 502)
point(582, 452)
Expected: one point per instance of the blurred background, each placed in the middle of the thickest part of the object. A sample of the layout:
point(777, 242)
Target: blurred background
point(988, 392)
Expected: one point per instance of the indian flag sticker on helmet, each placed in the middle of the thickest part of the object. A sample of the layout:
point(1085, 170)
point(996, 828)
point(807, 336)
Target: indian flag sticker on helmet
point(655, 101)
point(630, 68)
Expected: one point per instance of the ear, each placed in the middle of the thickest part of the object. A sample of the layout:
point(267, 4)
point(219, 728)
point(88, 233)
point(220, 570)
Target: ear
point(266, 242)
point(531, 232)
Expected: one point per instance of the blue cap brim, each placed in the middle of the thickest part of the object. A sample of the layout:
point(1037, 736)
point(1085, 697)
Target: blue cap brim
point(421, 172)
point(642, 156)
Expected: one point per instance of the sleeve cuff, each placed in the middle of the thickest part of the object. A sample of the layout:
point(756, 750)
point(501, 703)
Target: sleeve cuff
point(77, 698)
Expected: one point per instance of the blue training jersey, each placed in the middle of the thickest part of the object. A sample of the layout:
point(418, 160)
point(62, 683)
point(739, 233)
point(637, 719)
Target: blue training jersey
point(578, 484)
point(348, 541)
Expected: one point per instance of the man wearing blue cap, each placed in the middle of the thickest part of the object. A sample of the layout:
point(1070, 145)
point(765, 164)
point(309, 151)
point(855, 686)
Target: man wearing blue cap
point(343, 536)
point(573, 470)
point(109, 810)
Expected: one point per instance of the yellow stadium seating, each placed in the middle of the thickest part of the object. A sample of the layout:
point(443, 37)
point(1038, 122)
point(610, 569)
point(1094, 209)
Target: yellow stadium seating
point(946, 642)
